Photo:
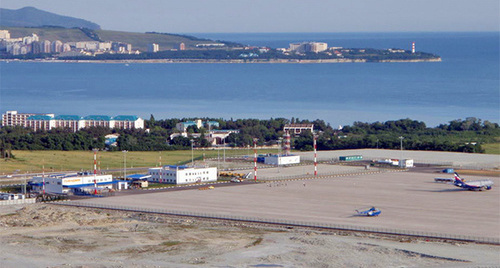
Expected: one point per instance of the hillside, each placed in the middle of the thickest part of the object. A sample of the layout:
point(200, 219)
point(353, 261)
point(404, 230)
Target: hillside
point(32, 17)
point(49, 33)
point(138, 40)
point(141, 40)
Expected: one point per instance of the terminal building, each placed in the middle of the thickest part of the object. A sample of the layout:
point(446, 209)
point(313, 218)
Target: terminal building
point(182, 174)
point(75, 183)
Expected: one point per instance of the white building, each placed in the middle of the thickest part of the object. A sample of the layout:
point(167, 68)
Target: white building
point(282, 160)
point(153, 47)
point(308, 47)
point(12, 118)
point(4, 34)
point(182, 174)
point(406, 163)
point(74, 122)
point(71, 183)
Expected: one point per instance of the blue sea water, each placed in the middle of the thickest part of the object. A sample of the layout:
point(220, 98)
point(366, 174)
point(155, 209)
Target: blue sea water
point(465, 84)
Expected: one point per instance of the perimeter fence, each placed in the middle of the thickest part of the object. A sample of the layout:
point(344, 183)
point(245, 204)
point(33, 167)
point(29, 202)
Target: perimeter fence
point(340, 227)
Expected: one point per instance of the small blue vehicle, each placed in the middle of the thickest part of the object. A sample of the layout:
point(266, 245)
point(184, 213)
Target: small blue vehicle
point(371, 212)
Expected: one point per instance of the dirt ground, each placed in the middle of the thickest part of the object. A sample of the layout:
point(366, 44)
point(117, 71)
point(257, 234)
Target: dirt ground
point(47, 235)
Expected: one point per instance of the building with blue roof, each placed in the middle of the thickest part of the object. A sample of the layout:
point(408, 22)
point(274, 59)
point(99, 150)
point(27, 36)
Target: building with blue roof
point(73, 122)
point(82, 182)
point(40, 122)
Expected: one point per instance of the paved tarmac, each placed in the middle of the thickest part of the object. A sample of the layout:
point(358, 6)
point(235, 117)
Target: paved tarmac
point(452, 159)
point(408, 200)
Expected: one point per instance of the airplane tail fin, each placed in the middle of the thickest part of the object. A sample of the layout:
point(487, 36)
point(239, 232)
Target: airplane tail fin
point(457, 178)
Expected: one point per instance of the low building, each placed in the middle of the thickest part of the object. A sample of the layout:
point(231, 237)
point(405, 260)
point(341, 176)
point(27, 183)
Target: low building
point(217, 137)
point(280, 160)
point(81, 182)
point(405, 163)
point(182, 174)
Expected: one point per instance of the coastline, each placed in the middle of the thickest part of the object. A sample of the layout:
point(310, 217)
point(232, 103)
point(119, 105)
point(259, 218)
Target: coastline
point(221, 61)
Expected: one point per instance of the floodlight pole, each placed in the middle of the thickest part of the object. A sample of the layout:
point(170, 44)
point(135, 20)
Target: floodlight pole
point(124, 164)
point(192, 152)
point(255, 160)
point(401, 145)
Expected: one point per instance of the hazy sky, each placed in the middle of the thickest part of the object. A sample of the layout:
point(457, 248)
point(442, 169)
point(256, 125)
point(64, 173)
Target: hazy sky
point(217, 16)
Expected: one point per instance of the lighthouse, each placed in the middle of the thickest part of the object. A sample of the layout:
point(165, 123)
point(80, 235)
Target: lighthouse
point(412, 47)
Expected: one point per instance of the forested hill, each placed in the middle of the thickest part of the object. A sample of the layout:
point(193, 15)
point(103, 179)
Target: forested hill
point(459, 135)
point(33, 17)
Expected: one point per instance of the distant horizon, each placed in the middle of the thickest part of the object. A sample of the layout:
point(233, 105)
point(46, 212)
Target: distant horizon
point(272, 16)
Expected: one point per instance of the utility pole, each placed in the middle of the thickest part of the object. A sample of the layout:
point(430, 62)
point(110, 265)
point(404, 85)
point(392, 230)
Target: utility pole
point(192, 154)
point(255, 159)
point(124, 164)
point(401, 145)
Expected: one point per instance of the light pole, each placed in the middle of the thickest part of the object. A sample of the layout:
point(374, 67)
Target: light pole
point(280, 140)
point(255, 159)
point(124, 164)
point(401, 145)
point(192, 154)
point(224, 144)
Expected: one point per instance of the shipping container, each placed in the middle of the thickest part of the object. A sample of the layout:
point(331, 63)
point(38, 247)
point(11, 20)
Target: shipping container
point(351, 158)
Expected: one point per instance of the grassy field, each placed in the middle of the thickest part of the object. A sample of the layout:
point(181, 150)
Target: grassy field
point(34, 161)
point(491, 148)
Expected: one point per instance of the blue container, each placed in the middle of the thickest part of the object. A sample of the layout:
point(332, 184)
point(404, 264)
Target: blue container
point(448, 170)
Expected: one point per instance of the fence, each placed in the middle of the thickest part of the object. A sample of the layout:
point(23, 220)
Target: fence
point(342, 227)
point(340, 173)
point(17, 201)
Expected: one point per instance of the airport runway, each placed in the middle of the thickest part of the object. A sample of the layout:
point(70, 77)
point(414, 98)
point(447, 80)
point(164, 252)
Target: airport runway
point(408, 200)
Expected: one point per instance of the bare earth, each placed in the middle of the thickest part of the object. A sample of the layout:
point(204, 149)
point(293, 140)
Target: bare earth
point(44, 235)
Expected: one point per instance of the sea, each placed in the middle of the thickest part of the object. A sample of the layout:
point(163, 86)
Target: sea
point(464, 84)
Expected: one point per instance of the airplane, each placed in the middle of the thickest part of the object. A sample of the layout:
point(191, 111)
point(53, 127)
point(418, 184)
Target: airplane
point(370, 212)
point(472, 185)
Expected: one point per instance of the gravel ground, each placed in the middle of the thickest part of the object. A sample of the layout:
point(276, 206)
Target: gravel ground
point(44, 235)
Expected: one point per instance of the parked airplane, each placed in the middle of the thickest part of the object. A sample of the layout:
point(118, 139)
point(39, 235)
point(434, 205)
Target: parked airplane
point(370, 212)
point(472, 185)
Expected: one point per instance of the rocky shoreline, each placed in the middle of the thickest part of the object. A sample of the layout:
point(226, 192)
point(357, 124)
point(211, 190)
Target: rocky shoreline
point(220, 61)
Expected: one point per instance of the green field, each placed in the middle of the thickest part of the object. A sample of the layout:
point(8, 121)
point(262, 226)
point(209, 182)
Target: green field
point(491, 148)
point(34, 161)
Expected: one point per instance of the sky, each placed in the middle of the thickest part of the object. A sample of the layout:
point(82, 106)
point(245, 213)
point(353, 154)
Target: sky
point(236, 16)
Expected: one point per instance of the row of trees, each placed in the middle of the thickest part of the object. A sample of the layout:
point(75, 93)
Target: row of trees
point(458, 135)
